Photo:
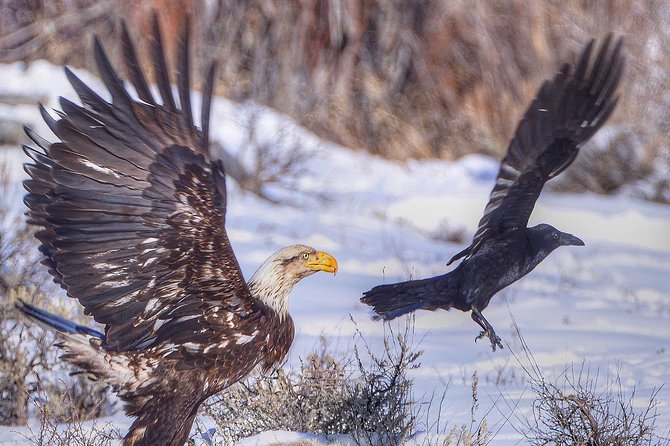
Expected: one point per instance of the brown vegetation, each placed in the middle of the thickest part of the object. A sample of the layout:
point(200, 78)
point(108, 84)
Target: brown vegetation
point(581, 408)
point(63, 406)
point(425, 78)
point(404, 79)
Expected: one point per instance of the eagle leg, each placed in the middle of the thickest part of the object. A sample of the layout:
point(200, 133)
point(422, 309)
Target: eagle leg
point(488, 331)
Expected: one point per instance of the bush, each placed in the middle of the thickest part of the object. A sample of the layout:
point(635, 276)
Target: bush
point(450, 233)
point(410, 79)
point(50, 408)
point(267, 159)
point(365, 395)
point(613, 159)
point(578, 409)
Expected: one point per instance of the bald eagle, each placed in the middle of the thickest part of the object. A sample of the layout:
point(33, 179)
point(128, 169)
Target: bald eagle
point(131, 209)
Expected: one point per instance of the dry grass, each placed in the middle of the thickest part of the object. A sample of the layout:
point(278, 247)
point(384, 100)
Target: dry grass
point(448, 232)
point(476, 432)
point(417, 79)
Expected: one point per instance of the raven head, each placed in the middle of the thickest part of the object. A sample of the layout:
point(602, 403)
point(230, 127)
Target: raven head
point(548, 238)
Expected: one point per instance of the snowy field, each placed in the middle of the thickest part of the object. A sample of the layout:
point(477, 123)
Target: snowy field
point(604, 307)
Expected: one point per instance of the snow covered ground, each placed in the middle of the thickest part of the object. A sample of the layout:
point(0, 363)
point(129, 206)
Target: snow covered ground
point(605, 306)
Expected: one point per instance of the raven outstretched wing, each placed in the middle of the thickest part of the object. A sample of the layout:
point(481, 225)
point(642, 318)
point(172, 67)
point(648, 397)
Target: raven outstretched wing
point(568, 110)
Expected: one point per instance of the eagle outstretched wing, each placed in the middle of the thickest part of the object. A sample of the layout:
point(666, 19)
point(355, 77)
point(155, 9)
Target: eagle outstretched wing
point(568, 110)
point(132, 211)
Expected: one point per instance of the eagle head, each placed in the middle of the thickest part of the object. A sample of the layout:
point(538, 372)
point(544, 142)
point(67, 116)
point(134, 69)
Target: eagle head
point(274, 279)
point(300, 261)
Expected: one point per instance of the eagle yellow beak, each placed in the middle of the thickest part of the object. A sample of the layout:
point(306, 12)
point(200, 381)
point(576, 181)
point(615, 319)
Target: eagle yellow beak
point(324, 262)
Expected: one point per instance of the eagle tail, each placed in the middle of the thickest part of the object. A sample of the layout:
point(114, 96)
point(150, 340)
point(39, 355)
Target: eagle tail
point(81, 346)
point(391, 301)
point(54, 322)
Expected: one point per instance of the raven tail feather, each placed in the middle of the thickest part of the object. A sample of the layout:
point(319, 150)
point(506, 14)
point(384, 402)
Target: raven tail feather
point(391, 301)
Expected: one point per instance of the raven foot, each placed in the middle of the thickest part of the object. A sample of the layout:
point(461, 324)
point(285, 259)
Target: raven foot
point(493, 337)
point(488, 329)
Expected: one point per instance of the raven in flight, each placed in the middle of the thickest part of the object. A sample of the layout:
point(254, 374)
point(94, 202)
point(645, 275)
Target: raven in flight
point(568, 110)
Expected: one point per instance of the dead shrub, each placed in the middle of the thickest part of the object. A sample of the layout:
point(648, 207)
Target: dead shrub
point(613, 159)
point(267, 165)
point(403, 79)
point(448, 232)
point(30, 369)
point(577, 411)
point(579, 408)
point(22, 350)
point(366, 395)
point(53, 30)
point(74, 399)
point(410, 79)
point(50, 408)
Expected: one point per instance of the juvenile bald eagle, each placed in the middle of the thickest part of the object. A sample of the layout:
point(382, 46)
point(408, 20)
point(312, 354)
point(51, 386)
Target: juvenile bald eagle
point(131, 209)
point(568, 110)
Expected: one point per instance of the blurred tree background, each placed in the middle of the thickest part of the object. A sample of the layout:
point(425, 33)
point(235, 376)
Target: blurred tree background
point(402, 79)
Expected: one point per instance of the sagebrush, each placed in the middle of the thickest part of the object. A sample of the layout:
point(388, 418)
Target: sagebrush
point(367, 395)
point(579, 407)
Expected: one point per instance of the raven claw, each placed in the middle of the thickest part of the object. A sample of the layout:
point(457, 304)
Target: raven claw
point(493, 337)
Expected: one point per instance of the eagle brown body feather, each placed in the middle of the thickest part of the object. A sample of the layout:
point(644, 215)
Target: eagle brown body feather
point(160, 391)
point(131, 210)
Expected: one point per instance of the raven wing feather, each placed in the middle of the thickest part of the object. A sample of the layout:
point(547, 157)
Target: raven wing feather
point(567, 111)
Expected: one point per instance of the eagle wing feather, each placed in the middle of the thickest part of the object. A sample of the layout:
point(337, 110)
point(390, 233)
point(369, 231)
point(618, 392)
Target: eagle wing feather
point(133, 213)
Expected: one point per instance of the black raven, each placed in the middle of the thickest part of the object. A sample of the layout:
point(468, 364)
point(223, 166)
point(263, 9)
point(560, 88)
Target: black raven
point(568, 110)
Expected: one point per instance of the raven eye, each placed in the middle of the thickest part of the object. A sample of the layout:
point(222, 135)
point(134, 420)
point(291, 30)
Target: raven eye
point(555, 234)
point(305, 255)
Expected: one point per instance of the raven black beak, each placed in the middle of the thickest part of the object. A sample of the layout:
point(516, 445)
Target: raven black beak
point(569, 239)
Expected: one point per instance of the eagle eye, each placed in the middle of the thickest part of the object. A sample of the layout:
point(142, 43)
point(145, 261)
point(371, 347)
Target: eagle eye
point(305, 255)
